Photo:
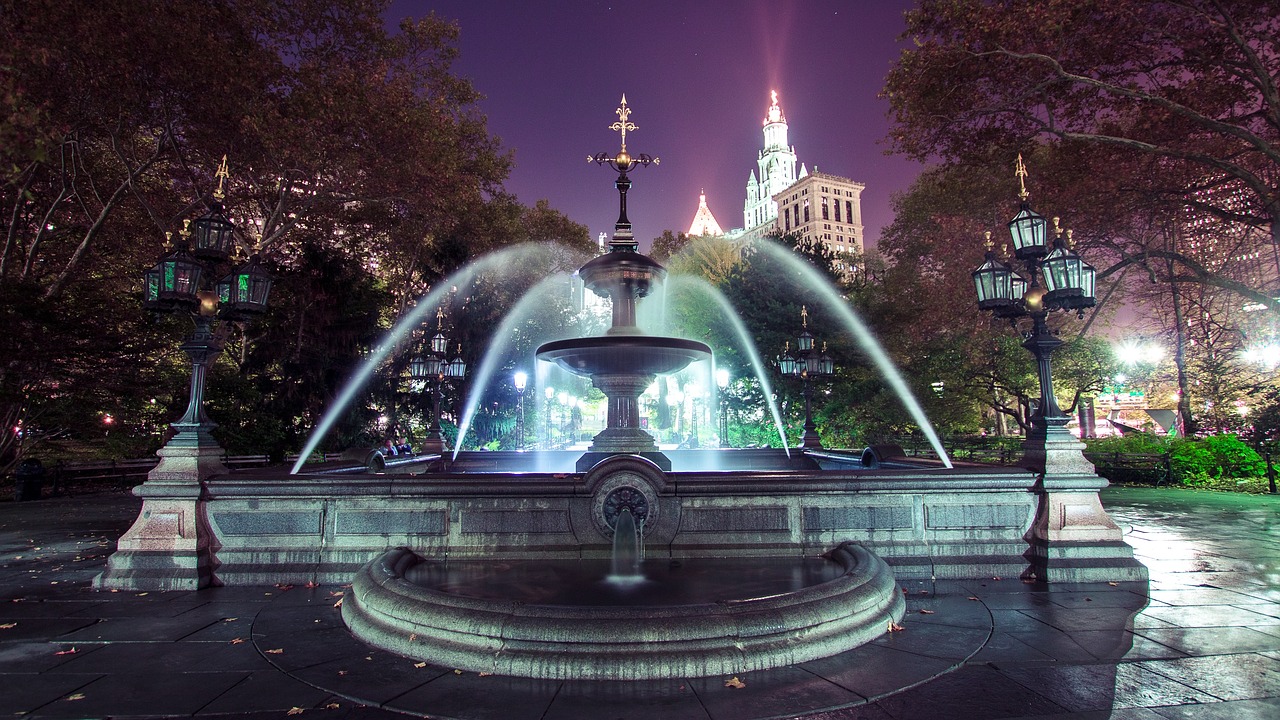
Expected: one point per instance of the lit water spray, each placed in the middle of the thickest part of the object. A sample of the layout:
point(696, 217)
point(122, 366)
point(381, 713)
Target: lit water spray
point(866, 341)
point(696, 284)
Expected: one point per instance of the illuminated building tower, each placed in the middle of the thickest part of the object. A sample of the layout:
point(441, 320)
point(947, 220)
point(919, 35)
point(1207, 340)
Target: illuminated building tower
point(704, 223)
point(777, 172)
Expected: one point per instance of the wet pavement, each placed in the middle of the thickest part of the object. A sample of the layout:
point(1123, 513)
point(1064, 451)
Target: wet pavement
point(1202, 640)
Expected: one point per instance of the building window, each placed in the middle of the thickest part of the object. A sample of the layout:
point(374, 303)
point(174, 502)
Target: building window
point(826, 212)
point(848, 210)
point(837, 203)
point(806, 212)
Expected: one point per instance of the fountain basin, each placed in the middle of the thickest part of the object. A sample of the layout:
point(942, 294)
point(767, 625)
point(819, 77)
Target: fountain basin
point(640, 355)
point(609, 641)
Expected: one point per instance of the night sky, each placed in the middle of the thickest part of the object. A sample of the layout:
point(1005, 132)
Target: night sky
point(697, 76)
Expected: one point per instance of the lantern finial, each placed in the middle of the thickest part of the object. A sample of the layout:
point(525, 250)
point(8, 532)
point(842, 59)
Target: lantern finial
point(988, 244)
point(223, 175)
point(1069, 231)
point(804, 316)
point(1020, 169)
point(1057, 227)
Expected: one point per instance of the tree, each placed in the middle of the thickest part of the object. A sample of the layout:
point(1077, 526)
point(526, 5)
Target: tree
point(1173, 101)
point(345, 141)
point(667, 245)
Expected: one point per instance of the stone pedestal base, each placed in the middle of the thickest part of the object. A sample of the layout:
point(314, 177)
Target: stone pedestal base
point(1072, 539)
point(169, 546)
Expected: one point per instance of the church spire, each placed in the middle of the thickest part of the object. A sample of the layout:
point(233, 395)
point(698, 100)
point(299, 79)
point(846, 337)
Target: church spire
point(704, 223)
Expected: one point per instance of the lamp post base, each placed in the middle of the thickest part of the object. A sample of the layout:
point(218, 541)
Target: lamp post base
point(169, 546)
point(1072, 539)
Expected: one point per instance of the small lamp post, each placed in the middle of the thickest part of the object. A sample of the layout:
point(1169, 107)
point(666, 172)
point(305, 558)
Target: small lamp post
point(722, 382)
point(521, 380)
point(807, 364)
point(436, 367)
point(1072, 537)
point(550, 394)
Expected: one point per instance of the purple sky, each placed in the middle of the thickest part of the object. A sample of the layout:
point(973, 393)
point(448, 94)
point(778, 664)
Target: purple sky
point(697, 76)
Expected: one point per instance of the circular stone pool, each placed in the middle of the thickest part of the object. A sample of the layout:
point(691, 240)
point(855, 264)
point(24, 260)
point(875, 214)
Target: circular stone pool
point(557, 619)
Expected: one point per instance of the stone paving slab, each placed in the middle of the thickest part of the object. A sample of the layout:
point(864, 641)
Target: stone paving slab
point(1202, 640)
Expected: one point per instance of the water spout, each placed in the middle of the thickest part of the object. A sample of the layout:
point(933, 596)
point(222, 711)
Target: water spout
point(628, 549)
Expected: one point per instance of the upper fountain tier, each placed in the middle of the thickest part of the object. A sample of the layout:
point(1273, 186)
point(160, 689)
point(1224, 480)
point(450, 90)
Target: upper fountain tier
point(624, 361)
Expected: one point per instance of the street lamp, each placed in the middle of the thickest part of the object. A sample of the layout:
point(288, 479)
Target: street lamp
point(807, 364)
point(1068, 285)
point(434, 366)
point(521, 379)
point(182, 282)
point(169, 546)
point(722, 382)
point(550, 394)
point(1072, 537)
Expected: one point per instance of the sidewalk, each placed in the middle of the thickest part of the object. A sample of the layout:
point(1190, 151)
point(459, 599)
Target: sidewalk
point(1202, 641)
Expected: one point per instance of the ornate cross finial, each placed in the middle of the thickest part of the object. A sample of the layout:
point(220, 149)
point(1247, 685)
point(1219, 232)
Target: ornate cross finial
point(804, 317)
point(439, 318)
point(1020, 169)
point(223, 175)
point(773, 95)
point(623, 125)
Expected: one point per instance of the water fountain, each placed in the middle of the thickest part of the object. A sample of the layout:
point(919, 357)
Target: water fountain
point(503, 571)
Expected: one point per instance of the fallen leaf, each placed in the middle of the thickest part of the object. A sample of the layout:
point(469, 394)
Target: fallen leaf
point(1029, 581)
point(895, 627)
point(77, 696)
point(485, 674)
point(995, 577)
point(229, 619)
point(72, 651)
point(7, 626)
point(973, 597)
point(336, 593)
point(413, 637)
point(339, 603)
point(332, 706)
point(237, 641)
point(926, 612)
point(295, 710)
point(276, 651)
point(924, 592)
point(904, 591)
point(1088, 599)
point(734, 682)
point(311, 584)
point(1113, 584)
point(422, 665)
point(455, 671)
point(284, 588)
point(343, 672)
point(143, 594)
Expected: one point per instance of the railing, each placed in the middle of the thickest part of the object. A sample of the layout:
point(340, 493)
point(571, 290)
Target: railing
point(134, 471)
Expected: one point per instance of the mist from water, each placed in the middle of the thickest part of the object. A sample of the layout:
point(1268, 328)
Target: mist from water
point(693, 283)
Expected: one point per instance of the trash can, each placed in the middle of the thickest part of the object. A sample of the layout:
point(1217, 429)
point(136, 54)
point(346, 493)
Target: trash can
point(30, 480)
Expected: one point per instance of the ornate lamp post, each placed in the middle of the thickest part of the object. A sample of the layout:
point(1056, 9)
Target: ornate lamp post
point(1071, 529)
point(807, 364)
point(521, 380)
point(171, 531)
point(434, 366)
point(722, 382)
point(550, 394)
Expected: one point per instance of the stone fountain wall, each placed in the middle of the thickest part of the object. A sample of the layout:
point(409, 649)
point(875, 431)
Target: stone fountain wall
point(267, 527)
